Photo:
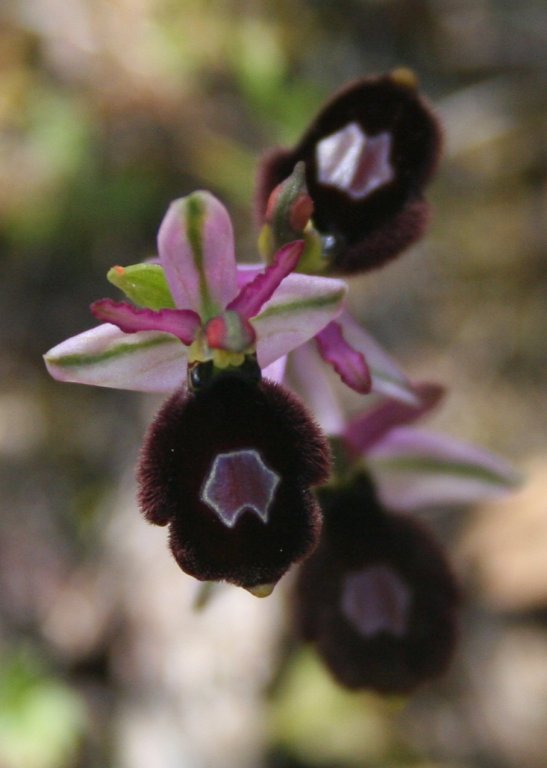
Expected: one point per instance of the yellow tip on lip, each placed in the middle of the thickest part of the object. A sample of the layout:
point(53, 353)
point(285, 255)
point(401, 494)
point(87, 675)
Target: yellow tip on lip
point(261, 590)
point(404, 76)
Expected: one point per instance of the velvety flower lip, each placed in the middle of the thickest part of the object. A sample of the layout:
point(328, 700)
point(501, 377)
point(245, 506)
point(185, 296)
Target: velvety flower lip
point(229, 470)
point(377, 598)
point(368, 155)
point(147, 347)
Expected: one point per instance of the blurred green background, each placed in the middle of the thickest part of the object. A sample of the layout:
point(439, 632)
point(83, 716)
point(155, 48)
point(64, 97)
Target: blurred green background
point(108, 110)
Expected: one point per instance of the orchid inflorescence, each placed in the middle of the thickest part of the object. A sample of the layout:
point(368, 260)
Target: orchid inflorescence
point(234, 463)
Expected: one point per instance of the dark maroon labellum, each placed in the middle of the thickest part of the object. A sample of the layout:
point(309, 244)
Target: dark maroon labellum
point(377, 597)
point(229, 469)
point(368, 155)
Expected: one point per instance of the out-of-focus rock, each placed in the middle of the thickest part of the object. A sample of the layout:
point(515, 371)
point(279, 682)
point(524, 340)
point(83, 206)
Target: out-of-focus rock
point(505, 545)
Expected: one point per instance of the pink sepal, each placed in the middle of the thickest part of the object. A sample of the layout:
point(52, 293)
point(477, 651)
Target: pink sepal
point(252, 297)
point(276, 371)
point(415, 469)
point(370, 427)
point(182, 323)
point(107, 357)
point(309, 375)
point(298, 310)
point(349, 364)
point(196, 249)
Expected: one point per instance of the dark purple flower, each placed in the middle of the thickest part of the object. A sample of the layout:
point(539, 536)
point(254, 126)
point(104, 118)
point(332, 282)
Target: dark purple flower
point(377, 597)
point(368, 155)
point(229, 469)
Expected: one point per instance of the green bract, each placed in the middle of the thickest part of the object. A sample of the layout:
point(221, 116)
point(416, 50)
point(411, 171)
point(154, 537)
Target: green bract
point(144, 284)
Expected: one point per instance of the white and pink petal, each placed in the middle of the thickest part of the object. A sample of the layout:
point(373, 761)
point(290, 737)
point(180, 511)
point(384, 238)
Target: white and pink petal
point(415, 468)
point(106, 357)
point(308, 374)
point(298, 310)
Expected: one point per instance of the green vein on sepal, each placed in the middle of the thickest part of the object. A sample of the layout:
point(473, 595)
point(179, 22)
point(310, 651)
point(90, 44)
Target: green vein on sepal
point(124, 348)
point(319, 302)
point(376, 373)
point(434, 466)
point(144, 284)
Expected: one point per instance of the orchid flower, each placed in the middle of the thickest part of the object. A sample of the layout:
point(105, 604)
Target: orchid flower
point(377, 597)
point(368, 156)
point(352, 189)
point(196, 306)
point(230, 458)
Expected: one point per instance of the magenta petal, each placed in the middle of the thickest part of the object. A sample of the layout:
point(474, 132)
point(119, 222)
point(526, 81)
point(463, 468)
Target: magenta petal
point(246, 273)
point(252, 297)
point(182, 323)
point(371, 426)
point(349, 364)
point(387, 378)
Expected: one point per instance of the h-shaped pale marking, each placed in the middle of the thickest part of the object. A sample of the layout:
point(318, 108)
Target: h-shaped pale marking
point(353, 162)
point(239, 480)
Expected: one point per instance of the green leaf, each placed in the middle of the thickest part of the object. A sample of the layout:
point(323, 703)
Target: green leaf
point(144, 284)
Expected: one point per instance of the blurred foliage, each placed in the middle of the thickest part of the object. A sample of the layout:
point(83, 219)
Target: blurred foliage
point(111, 108)
point(321, 723)
point(41, 719)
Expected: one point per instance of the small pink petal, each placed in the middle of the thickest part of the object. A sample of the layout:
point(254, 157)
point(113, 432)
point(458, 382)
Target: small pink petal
point(246, 273)
point(196, 248)
point(252, 297)
point(348, 363)
point(370, 427)
point(181, 323)
point(387, 378)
